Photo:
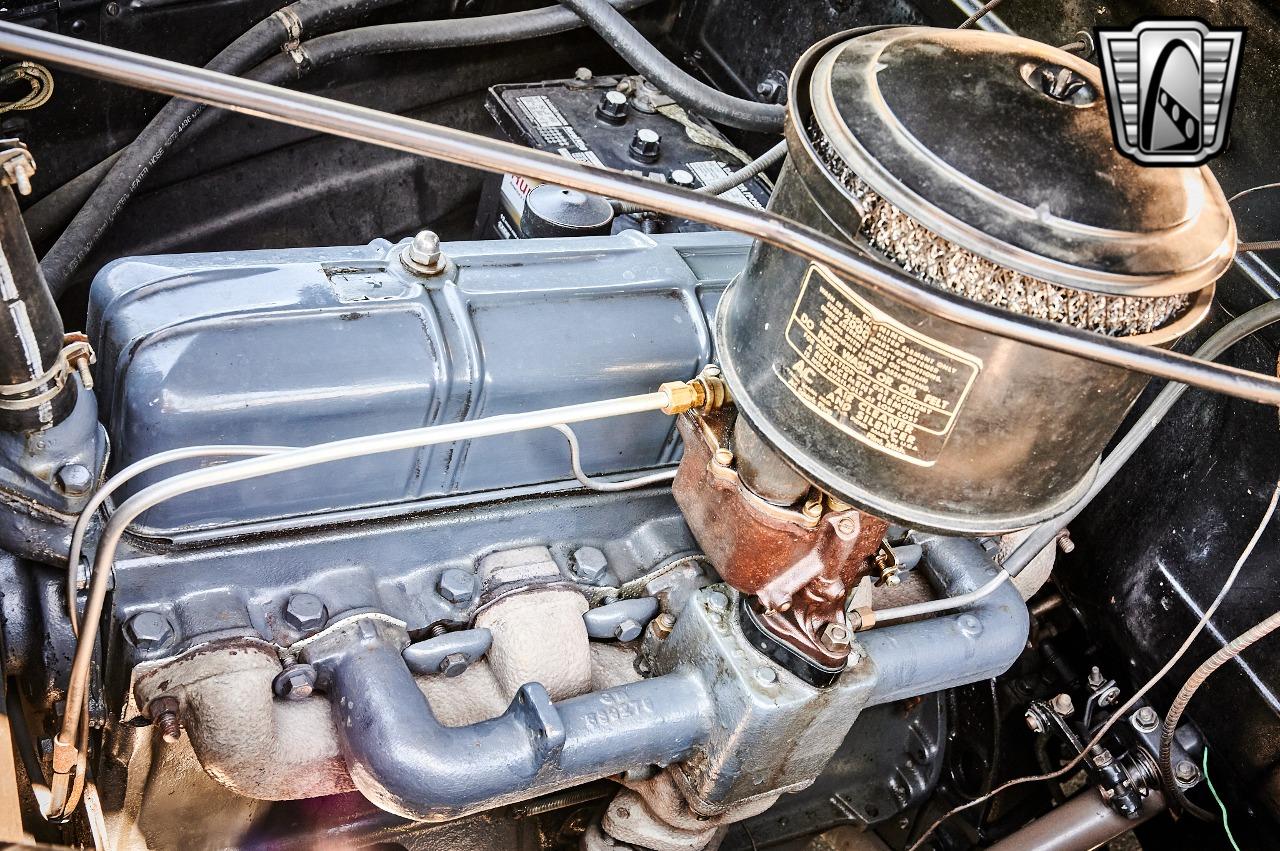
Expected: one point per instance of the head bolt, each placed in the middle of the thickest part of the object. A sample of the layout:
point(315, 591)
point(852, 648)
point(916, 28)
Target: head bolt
point(75, 480)
point(590, 565)
point(453, 665)
point(295, 682)
point(305, 612)
point(423, 255)
point(717, 601)
point(628, 629)
point(150, 631)
point(612, 107)
point(1186, 772)
point(646, 145)
point(457, 586)
point(1146, 719)
point(1062, 704)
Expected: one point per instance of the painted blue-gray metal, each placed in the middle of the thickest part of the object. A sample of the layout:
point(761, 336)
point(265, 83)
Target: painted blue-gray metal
point(402, 759)
point(240, 587)
point(36, 510)
point(300, 346)
point(605, 621)
point(427, 657)
point(907, 555)
point(952, 649)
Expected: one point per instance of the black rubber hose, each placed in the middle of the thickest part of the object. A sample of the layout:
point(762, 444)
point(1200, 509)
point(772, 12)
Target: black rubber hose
point(49, 216)
point(287, 25)
point(425, 35)
point(31, 332)
point(618, 32)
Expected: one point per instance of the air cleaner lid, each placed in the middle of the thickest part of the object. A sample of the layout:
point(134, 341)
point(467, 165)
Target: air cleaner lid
point(1002, 146)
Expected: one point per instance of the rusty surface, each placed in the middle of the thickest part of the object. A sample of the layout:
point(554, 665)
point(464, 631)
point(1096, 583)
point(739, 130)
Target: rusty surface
point(799, 563)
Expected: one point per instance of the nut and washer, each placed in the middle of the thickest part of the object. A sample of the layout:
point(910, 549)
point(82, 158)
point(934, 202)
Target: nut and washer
point(835, 638)
point(305, 612)
point(296, 682)
point(1186, 772)
point(1146, 719)
point(423, 256)
point(1033, 722)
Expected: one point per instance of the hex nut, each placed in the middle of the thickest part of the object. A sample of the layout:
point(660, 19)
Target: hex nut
point(590, 565)
point(305, 612)
point(717, 601)
point(453, 665)
point(75, 479)
point(150, 631)
point(457, 586)
point(1186, 772)
point(835, 638)
point(1033, 722)
point(628, 629)
point(1146, 719)
point(1062, 704)
point(663, 625)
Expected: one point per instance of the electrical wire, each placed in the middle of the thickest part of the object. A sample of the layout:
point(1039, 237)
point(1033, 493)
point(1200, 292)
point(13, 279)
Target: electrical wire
point(1237, 646)
point(1137, 695)
point(600, 485)
point(1226, 825)
point(722, 185)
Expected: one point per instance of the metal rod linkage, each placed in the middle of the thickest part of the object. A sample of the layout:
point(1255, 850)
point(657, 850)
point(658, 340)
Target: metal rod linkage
point(455, 146)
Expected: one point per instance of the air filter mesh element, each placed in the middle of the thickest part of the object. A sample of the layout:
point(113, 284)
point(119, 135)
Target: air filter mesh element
point(947, 266)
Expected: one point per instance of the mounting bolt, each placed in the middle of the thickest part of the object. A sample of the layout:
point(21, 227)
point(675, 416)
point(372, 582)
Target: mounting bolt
point(1033, 722)
point(583, 75)
point(453, 665)
point(590, 565)
point(1146, 719)
point(457, 586)
point(1095, 677)
point(646, 145)
point(628, 629)
point(305, 612)
point(612, 107)
point(835, 638)
point(773, 87)
point(423, 255)
point(1062, 704)
point(1186, 772)
point(164, 716)
point(75, 480)
point(296, 682)
point(150, 631)
point(717, 601)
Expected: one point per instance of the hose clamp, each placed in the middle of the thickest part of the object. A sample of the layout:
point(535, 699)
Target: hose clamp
point(76, 356)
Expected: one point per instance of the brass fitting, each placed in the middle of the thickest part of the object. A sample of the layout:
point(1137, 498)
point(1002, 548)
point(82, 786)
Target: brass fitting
point(704, 393)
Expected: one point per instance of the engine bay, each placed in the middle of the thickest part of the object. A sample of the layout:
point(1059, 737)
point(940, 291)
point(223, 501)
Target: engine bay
point(654, 426)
